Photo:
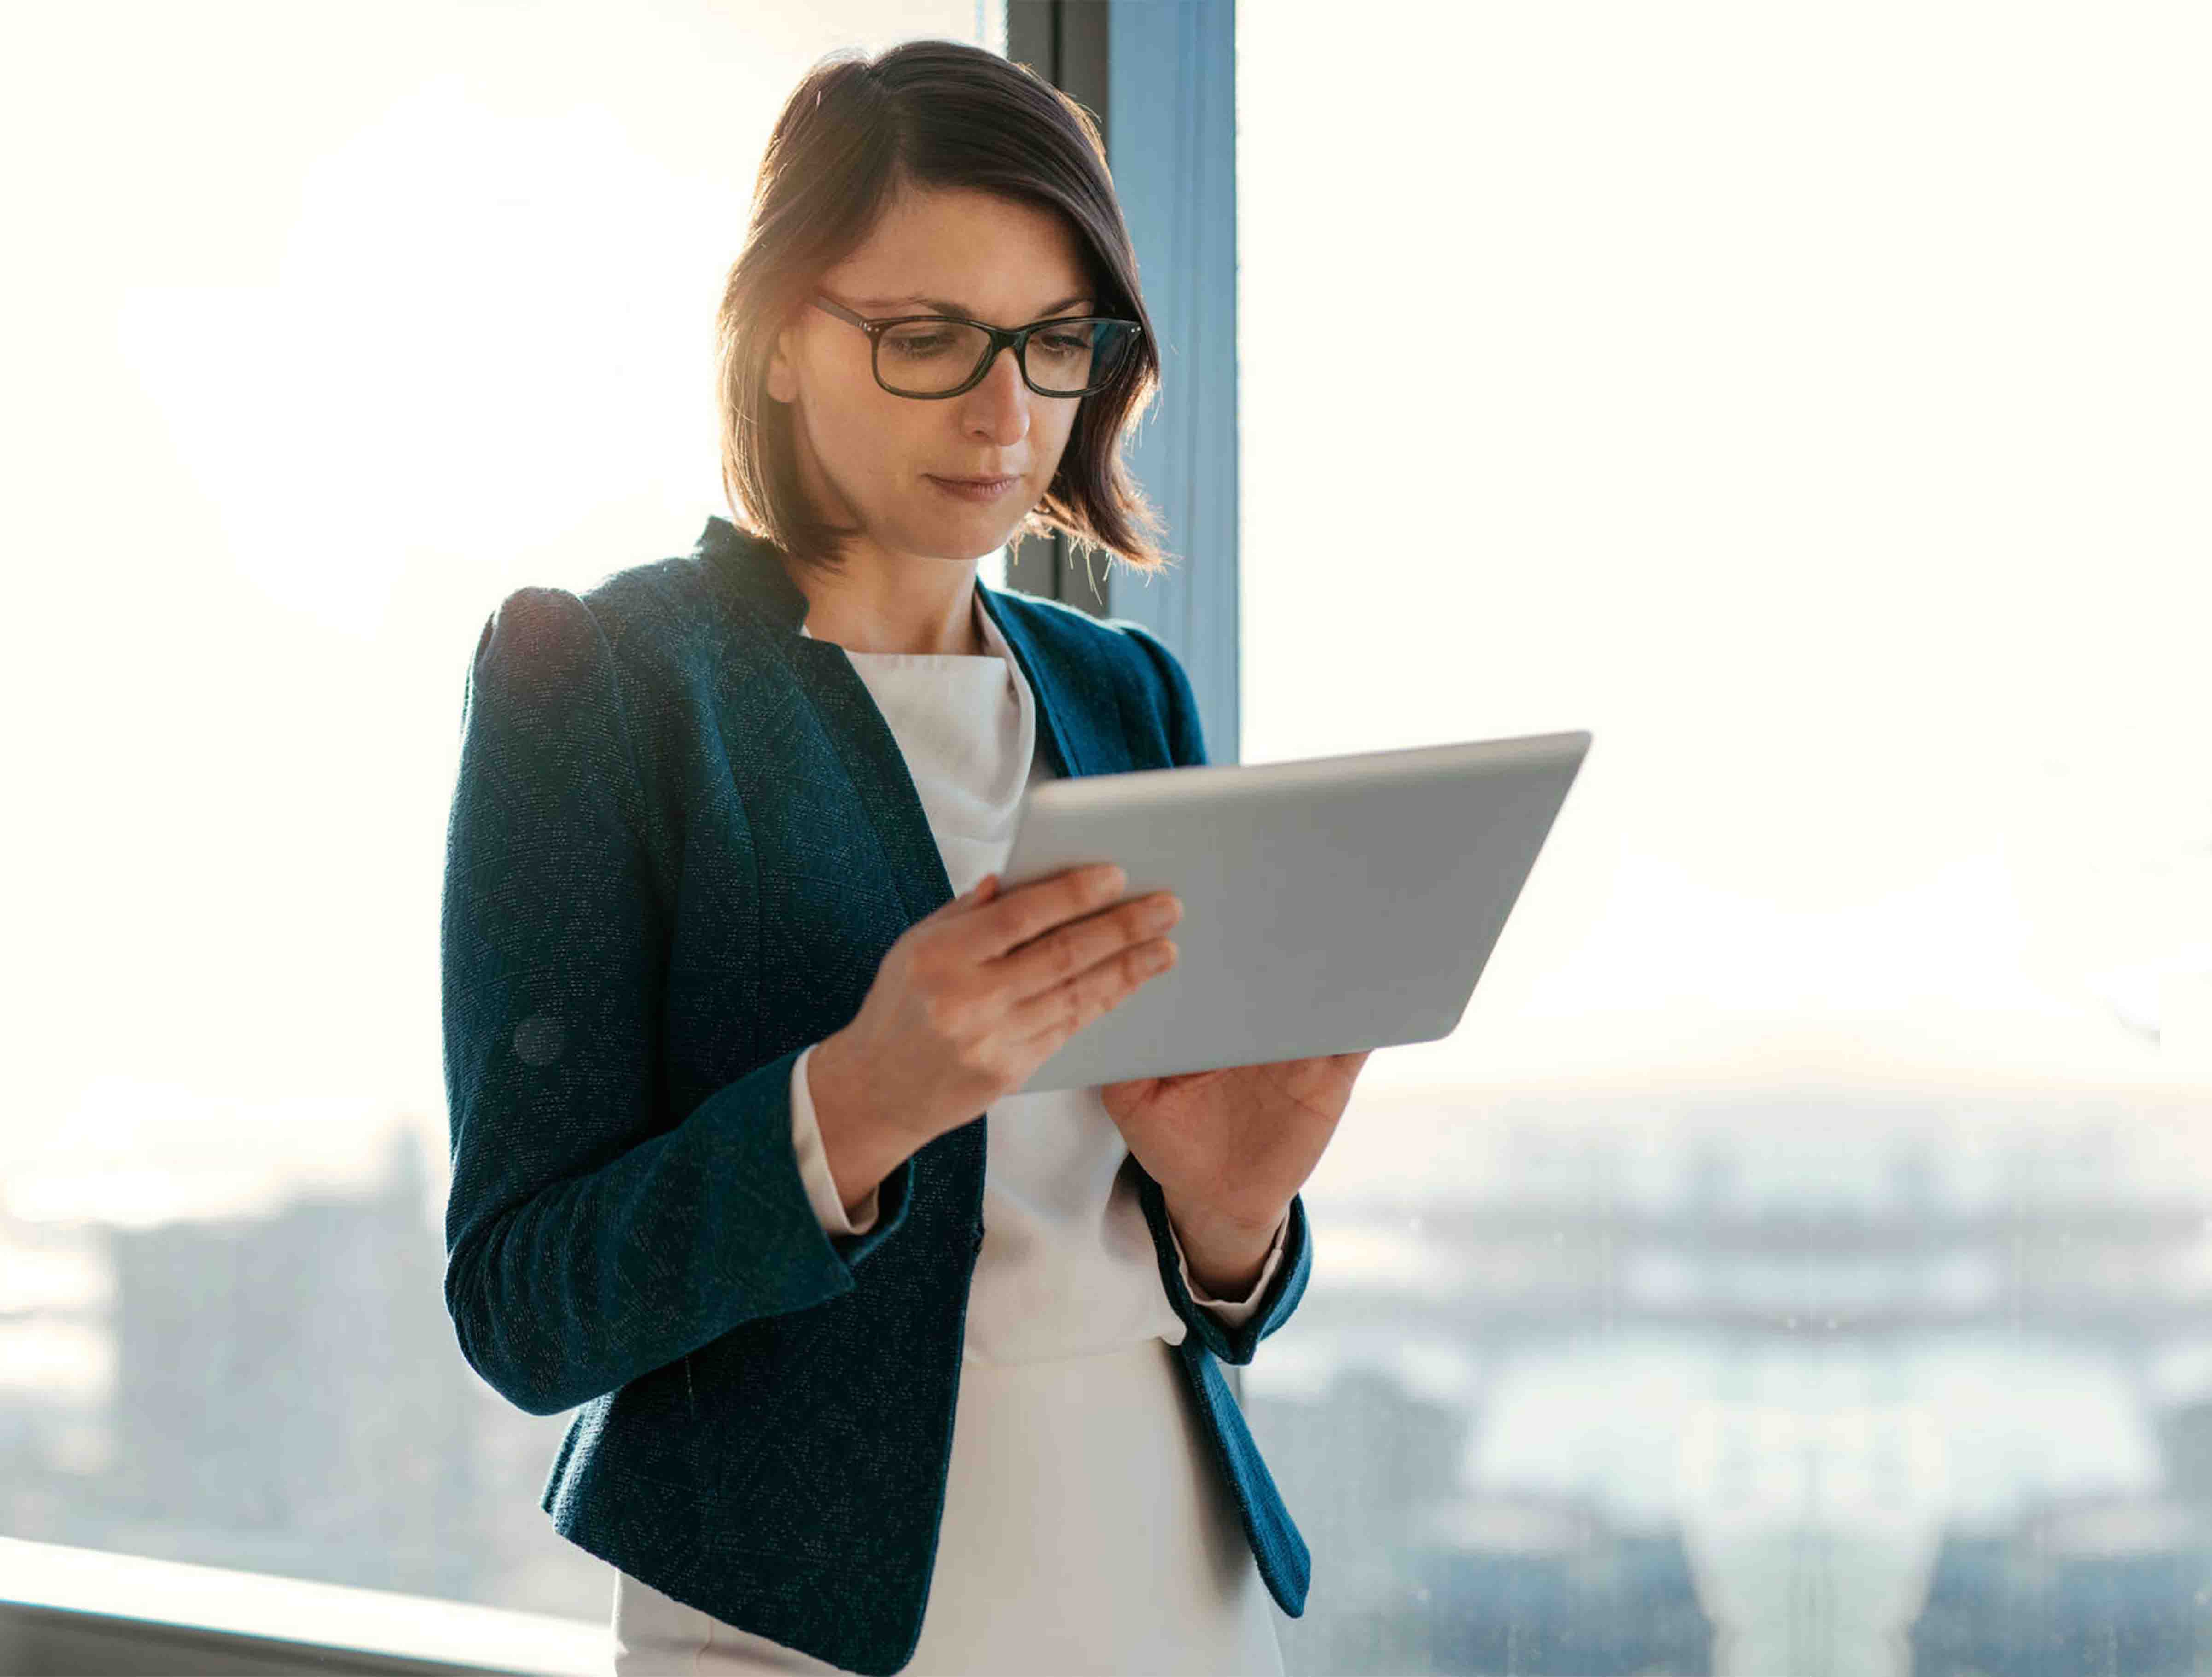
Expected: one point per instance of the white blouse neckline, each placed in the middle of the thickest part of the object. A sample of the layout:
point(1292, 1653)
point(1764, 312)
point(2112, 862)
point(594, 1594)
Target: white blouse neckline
point(994, 651)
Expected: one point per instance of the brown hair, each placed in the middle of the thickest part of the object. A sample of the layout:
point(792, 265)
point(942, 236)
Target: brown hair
point(855, 134)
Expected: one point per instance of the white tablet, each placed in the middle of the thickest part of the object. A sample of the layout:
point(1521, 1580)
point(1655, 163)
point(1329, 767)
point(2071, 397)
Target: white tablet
point(1329, 904)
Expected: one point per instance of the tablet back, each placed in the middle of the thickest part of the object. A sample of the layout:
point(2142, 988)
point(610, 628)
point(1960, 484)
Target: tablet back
point(1330, 904)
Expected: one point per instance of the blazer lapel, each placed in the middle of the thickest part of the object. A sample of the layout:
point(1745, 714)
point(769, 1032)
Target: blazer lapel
point(1063, 742)
point(877, 769)
point(855, 723)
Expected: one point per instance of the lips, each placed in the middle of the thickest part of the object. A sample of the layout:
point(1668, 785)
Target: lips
point(980, 492)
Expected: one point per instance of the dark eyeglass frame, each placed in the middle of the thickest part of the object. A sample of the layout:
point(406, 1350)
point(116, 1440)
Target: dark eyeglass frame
point(1016, 338)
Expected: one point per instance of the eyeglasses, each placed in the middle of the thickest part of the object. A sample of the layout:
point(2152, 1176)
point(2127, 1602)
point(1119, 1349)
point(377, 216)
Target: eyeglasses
point(931, 356)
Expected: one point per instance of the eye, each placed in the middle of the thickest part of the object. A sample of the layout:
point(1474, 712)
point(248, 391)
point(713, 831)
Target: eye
point(917, 343)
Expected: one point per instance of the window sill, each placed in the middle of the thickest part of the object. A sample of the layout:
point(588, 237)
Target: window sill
point(66, 1609)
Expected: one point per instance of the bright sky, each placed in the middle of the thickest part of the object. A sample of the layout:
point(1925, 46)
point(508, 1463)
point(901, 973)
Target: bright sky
point(1808, 402)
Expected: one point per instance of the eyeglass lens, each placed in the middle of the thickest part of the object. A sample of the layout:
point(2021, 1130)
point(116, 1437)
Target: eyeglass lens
point(928, 357)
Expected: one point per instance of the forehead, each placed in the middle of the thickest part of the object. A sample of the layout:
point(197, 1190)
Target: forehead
point(997, 255)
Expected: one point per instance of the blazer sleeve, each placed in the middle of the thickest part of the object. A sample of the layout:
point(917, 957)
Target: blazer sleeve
point(1233, 1314)
point(1237, 1342)
point(591, 1235)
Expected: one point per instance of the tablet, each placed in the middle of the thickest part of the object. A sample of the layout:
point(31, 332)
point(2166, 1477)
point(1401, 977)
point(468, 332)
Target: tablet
point(1329, 904)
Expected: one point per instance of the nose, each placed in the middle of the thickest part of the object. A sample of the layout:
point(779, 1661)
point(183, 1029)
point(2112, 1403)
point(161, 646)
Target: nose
point(999, 407)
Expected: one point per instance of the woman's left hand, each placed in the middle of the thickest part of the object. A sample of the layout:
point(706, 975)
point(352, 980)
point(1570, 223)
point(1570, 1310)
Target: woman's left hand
point(1231, 1148)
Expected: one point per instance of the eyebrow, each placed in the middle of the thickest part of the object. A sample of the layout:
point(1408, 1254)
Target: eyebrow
point(943, 306)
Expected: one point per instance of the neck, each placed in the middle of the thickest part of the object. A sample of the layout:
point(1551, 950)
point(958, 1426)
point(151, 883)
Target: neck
point(916, 607)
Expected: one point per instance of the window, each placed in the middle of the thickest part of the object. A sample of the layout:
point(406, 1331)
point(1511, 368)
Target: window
point(1797, 1258)
point(324, 332)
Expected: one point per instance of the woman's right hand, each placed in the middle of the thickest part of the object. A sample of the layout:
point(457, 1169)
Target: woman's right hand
point(974, 997)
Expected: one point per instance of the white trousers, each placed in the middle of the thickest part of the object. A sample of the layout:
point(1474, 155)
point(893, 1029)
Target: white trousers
point(1085, 1529)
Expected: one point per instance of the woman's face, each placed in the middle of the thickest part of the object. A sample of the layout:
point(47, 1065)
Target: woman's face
point(869, 457)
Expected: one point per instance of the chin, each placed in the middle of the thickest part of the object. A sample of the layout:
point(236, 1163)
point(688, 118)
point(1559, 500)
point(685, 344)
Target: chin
point(955, 547)
point(981, 547)
point(983, 530)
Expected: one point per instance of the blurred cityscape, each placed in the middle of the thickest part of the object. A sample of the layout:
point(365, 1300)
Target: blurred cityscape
point(1692, 1379)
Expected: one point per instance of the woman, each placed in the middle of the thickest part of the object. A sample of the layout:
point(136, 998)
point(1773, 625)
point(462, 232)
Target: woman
point(879, 1365)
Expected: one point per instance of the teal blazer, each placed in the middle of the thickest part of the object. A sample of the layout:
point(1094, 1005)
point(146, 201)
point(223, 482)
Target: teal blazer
point(682, 839)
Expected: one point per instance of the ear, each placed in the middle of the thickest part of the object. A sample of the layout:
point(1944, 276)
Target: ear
point(782, 375)
point(782, 382)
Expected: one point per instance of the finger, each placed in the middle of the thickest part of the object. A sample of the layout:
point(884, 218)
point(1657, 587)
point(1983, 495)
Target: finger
point(1064, 1009)
point(1136, 928)
point(1035, 909)
point(974, 897)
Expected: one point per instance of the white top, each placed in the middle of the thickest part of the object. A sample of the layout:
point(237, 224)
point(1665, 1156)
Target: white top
point(1066, 1267)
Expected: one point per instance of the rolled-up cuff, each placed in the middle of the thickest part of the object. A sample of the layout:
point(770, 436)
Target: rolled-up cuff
point(1234, 1313)
point(814, 1163)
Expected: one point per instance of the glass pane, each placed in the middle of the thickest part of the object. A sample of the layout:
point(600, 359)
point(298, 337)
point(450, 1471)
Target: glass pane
point(1797, 1258)
point(928, 356)
point(325, 330)
point(1078, 355)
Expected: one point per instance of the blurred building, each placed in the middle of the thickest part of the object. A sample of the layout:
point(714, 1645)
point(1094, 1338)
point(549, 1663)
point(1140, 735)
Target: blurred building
point(1791, 1382)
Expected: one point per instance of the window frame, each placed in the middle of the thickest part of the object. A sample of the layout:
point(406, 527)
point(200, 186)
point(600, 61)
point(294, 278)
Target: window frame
point(1124, 62)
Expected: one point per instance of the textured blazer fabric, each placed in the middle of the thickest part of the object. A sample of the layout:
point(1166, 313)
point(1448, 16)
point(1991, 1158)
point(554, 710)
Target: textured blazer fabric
point(682, 839)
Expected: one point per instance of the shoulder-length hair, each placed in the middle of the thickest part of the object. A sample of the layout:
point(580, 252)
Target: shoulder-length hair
point(855, 133)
